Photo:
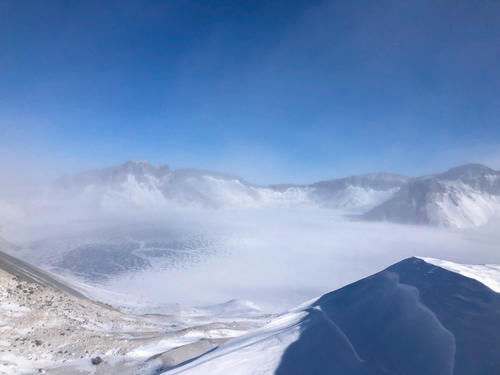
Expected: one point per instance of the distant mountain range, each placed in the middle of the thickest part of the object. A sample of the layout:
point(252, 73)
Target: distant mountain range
point(464, 196)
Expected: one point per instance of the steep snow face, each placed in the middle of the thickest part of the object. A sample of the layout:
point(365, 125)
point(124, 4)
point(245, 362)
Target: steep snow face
point(461, 205)
point(412, 318)
point(461, 197)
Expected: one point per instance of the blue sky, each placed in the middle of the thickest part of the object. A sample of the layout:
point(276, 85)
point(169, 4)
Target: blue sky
point(281, 91)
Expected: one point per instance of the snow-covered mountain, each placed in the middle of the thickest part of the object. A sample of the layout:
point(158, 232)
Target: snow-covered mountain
point(412, 318)
point(358, 193)
point(468, 195)
point(143, 185)
point(140, 184)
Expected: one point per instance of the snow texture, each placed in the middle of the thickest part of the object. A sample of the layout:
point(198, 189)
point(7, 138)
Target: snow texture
point(412, 318)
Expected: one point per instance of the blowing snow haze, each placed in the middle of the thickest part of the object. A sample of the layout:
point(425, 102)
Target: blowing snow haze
point(463, 196)
point(331, 202)
point(136, 225)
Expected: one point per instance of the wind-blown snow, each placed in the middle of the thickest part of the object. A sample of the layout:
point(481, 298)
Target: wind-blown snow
point(488, 274)
point(461, 206)
point(238, 356)
point(411, 318)
point(133, 227)
point(359, 199)
point(255, 248)
point(464, 196)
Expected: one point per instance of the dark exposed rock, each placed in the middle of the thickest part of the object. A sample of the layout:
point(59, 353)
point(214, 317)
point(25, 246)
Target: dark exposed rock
point(96, 360)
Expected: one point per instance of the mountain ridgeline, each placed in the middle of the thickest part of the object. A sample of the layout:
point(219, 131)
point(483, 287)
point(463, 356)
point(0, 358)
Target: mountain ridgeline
point(412, 318)
point(464, 196)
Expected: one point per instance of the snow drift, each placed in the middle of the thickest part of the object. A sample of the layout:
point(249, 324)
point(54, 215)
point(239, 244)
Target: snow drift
point(412, 318)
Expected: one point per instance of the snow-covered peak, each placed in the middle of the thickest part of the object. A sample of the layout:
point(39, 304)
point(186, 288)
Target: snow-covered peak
point(464, 196)
point(412, 318)
point(467, 171)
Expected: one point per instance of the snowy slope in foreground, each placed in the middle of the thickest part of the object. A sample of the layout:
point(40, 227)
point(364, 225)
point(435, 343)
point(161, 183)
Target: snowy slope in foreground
point(412, 318)
point(48, 326)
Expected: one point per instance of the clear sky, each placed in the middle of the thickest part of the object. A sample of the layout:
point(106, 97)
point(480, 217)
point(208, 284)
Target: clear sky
point(275, 91)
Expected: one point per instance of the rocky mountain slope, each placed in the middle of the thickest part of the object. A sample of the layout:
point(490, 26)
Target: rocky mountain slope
point(48, 326)
point(464, 196)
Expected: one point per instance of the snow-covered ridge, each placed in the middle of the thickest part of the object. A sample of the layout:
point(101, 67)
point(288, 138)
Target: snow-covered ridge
point(387, 322)
point(140, 184)
point(464, 196)
point(488, 274)
point(461, 197)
